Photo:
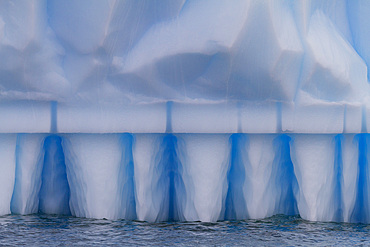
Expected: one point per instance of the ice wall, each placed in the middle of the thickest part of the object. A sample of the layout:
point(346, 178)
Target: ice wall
point(100, 61)
point(188, 177)
point(184, 110)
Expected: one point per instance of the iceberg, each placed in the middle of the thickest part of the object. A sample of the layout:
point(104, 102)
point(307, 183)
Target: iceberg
point(184, 110)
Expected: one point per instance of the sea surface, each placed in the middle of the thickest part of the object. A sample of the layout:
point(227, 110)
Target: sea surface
point(54, 230)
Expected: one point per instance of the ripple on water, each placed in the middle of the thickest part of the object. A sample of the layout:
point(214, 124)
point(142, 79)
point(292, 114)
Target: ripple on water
point(55, 230)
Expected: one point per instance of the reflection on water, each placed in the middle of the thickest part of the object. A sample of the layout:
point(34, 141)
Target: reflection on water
point(52, 230)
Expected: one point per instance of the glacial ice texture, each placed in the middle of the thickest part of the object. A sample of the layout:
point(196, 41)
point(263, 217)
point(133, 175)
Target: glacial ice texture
point(184, 110)
point(187, 177)
point(107, 66)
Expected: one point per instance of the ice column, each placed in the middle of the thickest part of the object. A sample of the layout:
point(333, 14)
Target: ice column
point(7, 174)
point(206, 159)
point(99, 185)
point(317, 158)
point(29, 160)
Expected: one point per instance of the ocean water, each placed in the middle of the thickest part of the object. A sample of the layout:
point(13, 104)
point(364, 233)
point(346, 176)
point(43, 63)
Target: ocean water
point(280, 230)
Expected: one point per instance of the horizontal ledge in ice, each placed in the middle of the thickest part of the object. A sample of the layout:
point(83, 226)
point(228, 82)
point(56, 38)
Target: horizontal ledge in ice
point(176, 117)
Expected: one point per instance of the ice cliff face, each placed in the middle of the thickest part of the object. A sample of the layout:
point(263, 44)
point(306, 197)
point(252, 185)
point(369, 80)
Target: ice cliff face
point(112, 56)
point(184, 50)
point(205, 110)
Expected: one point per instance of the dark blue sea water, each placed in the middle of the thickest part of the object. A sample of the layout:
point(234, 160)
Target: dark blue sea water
point(49, 230)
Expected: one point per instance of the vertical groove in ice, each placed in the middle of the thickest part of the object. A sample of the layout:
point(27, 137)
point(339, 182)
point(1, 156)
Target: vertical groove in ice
point(235, 207)
point(170, 182)
point(126, 179)
point(169, 117)
point(360, 211)
point(337, 201)
point(283, 175)
point(53, 116)
point(54, 193)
